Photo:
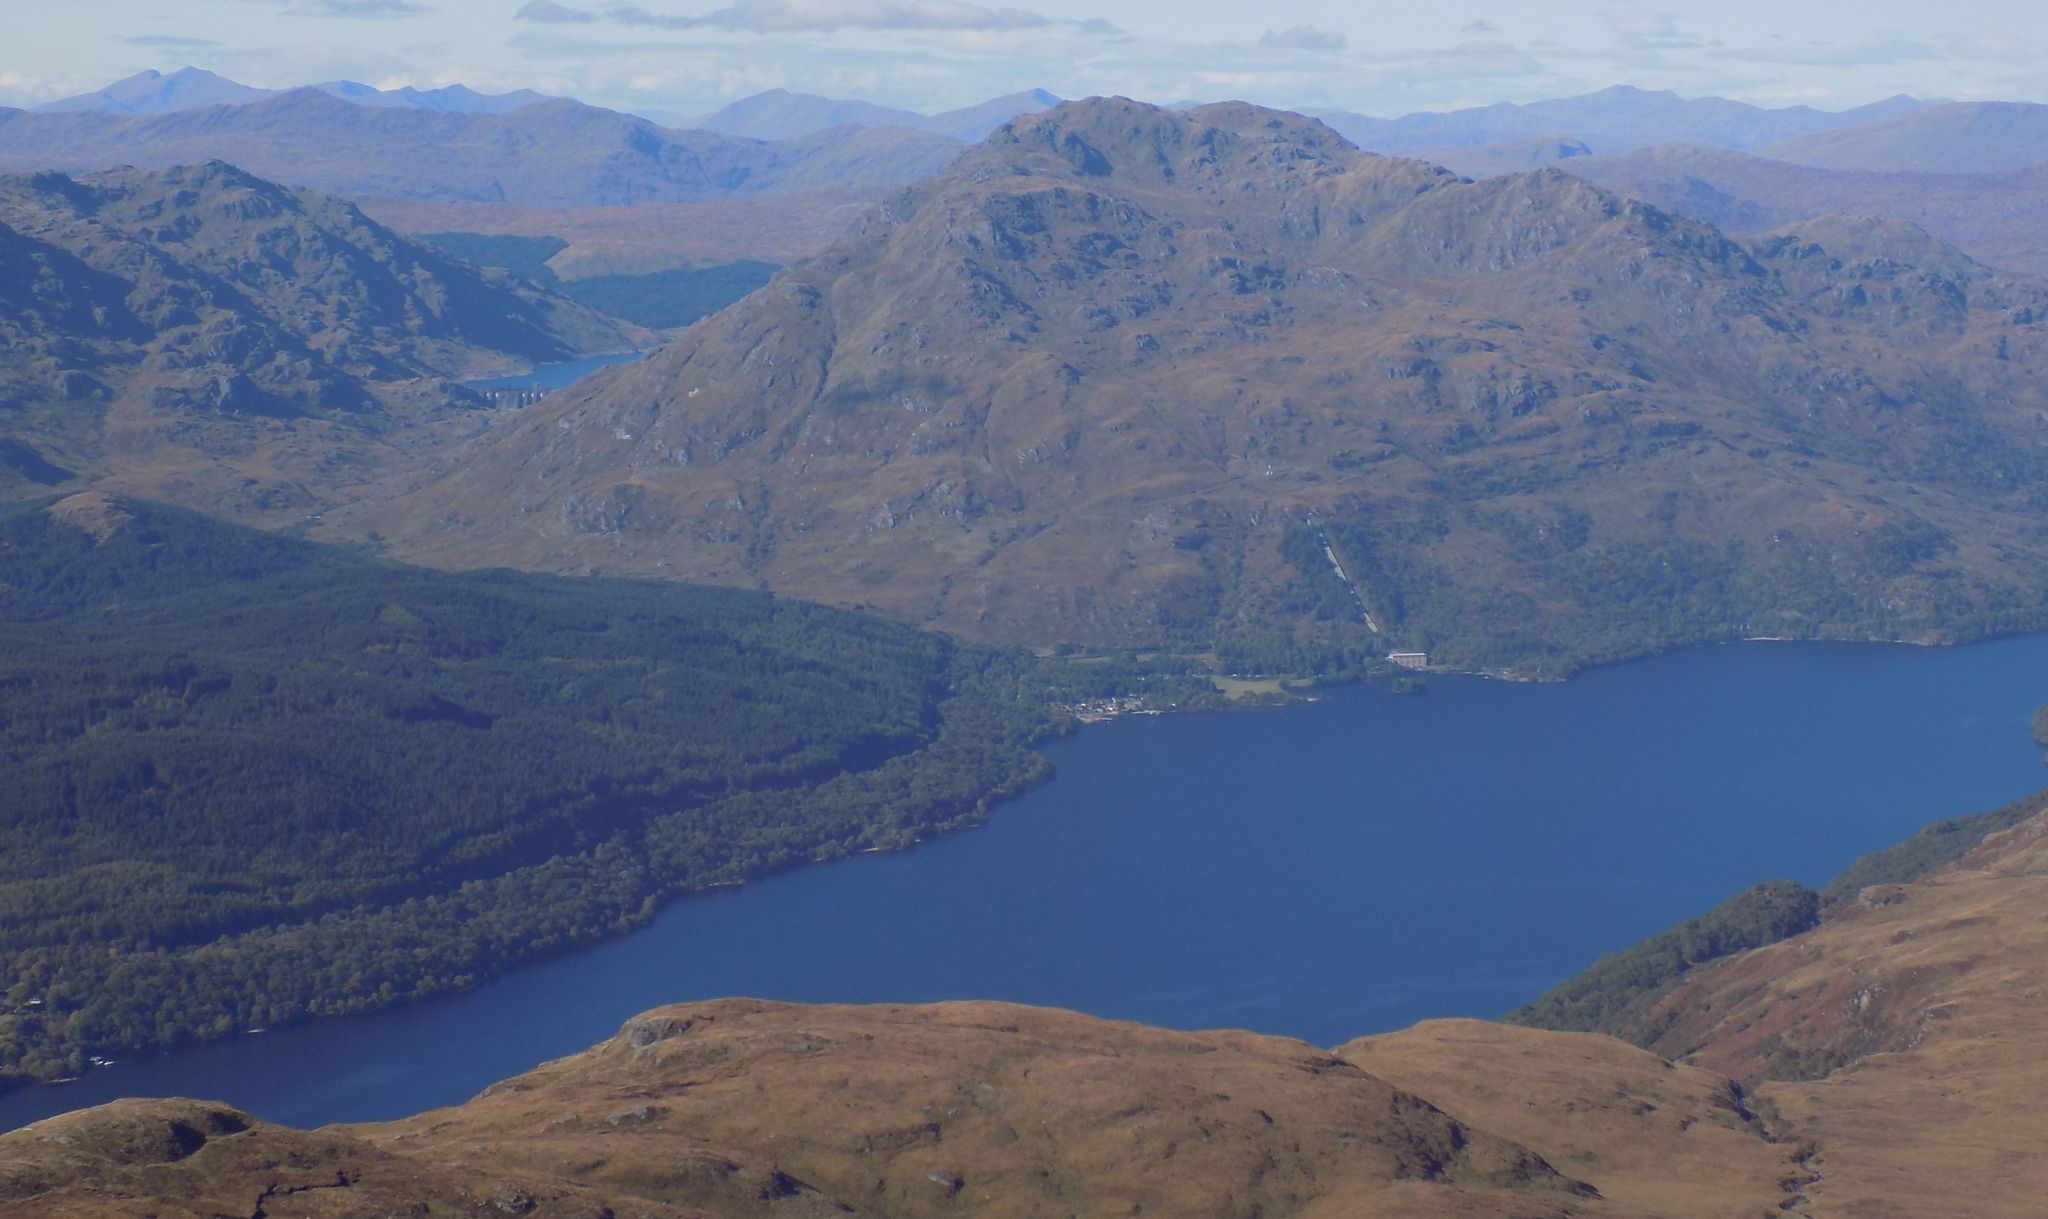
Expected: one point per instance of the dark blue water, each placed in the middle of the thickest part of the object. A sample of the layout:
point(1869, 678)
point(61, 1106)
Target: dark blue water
point(554, 376)
point(1321, 871)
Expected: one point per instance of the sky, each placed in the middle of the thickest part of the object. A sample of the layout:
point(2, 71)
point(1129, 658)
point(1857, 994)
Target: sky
point(672, 58)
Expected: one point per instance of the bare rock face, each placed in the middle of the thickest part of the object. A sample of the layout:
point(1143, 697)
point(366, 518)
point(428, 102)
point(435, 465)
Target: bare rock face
point(1119, 374)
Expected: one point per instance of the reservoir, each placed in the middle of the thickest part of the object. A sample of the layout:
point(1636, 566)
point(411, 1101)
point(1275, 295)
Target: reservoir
point(1321, 871)
point(554, 376)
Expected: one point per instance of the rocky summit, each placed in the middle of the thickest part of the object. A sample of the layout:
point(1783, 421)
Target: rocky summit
point(1127, 375)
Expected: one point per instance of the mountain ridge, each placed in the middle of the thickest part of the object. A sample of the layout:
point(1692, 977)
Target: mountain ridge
point(1022, 400)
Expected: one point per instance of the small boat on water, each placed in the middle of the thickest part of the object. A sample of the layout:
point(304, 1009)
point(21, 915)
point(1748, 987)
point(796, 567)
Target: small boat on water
point(1408, 683)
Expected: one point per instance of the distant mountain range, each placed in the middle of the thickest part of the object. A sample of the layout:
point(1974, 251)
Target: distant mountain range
point(1995, 217)
point(1974, 173)
point(243, 347)
point(1964, 138)
point(1122, 374)
point(154, 92)
point(781, 115)
point(552, 154)
point(549, 157)
point(1612, 120)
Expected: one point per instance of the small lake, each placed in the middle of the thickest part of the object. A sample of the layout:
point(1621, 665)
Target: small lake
point(554, 376)
point(1321, 871)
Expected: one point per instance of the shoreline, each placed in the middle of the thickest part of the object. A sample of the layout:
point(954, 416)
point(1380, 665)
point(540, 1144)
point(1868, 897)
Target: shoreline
point(15, 1083)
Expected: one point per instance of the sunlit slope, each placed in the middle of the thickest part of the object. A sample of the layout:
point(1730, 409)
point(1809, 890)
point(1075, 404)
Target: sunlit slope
point(1120, 375)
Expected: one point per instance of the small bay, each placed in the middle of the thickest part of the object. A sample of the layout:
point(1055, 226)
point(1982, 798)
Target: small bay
point(1320, 871)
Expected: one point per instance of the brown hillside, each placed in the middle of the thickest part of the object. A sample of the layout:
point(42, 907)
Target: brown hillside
point(1118, 373)
point(181, 1159)
point(1657, 1137)
point(739, 1108)
point(983, 1109)
point(1919, 1010)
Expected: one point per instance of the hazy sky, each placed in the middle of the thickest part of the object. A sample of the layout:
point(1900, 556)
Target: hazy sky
point(673, 57)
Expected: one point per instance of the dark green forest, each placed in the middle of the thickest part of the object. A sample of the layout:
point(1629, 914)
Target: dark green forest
point(1615, 991)
point(249, 779)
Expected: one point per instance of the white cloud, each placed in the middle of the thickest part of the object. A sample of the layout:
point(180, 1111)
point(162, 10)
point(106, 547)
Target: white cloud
point(357, 8)
point(170, 42)
point(1643, 29)
point(1303, 38)
point(1834, 54)
point(2003, 47)
point(23, 89)
point(809, 16)
point(549, 13)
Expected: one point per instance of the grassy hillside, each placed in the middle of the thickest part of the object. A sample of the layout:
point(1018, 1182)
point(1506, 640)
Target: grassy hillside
point(251, 779)
point(1619, 993)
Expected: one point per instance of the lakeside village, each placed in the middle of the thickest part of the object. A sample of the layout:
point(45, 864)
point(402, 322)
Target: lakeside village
point(1410, 666)
point(1096, 710)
